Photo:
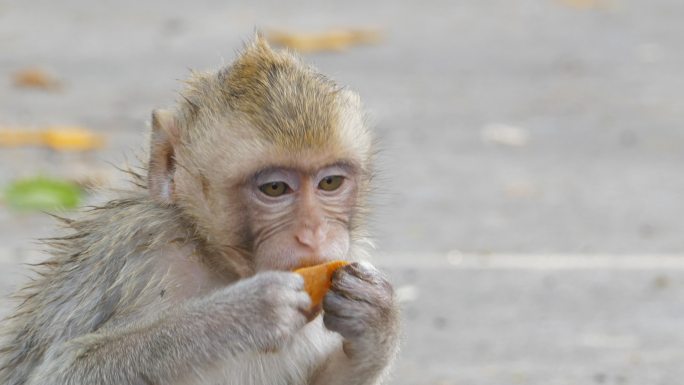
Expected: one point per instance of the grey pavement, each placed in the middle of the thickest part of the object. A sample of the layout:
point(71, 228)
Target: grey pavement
point(508, 130)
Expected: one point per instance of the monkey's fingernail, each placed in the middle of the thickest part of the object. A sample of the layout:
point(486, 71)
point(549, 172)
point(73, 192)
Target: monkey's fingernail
point(363, 270)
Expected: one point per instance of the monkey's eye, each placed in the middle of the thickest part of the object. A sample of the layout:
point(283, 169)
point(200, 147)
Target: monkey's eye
point(274, 189)
point(331, 183)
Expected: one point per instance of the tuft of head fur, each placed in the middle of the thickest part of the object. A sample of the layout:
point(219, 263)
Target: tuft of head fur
point(282, 99)
point(271, 97)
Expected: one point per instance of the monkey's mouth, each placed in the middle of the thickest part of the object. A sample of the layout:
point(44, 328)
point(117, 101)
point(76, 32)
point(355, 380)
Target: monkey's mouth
point(310, 261)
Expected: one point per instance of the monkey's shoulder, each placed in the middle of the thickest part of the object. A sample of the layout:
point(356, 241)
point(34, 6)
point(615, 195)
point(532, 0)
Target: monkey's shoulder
point(100, 266)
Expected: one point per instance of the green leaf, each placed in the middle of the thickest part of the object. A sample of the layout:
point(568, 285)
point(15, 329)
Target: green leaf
point(42, 193)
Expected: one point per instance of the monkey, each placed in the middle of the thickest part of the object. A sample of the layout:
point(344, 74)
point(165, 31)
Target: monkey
point(261, 167)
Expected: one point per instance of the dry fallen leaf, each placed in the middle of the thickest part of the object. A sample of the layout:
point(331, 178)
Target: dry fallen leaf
point(35, 78)
point(60, 138)
point(17, 138)
point(587, 4)
point(332, 40)
point(71, 138)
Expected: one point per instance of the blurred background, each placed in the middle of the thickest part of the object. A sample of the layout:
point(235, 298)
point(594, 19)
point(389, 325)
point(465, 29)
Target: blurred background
point(529, 206)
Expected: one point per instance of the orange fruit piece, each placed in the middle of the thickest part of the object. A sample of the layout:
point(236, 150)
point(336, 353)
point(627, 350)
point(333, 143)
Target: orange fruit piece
point(317, 279)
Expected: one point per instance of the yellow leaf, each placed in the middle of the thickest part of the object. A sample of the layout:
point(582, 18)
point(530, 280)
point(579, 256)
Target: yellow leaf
point(587, 4)
point(61, 138)
point(332, 40)
point(71, 138)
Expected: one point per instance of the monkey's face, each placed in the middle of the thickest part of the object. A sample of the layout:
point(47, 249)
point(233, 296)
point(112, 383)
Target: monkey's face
point(267, 159)
point(300, 216)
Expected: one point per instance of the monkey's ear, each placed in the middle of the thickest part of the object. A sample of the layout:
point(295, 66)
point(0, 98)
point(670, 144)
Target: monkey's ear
point(163, 142)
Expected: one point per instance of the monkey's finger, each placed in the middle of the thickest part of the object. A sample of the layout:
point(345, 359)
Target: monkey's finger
point(295, 281)
point(334, 303)
point(351, 286)
point(343, 306)
point(291, 280)
point(364, 270)
point(347, 327)
point(302, 301)
point(368, 273)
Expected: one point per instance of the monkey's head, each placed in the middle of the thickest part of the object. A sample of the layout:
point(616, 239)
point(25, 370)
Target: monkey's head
point(265, 156)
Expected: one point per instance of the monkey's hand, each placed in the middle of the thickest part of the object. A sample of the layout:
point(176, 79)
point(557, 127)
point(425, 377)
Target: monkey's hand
point(271, 307)
point(361, 307)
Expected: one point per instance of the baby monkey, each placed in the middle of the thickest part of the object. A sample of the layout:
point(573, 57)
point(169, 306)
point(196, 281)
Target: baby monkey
point(261, 168)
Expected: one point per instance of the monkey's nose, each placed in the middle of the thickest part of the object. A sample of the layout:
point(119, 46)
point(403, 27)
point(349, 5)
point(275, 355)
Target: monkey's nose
point(312, 238)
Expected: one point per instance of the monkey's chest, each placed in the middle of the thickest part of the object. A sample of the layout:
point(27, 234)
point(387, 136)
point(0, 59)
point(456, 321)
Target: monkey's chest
point(291, 365)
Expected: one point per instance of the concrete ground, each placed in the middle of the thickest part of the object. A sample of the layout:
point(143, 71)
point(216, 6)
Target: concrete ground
point(529, 202)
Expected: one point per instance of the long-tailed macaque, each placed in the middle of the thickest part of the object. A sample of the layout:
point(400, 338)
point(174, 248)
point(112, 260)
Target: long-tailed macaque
point(261, 168)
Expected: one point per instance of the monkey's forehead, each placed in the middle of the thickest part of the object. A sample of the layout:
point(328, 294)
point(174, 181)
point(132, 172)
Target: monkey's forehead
point(238, 160)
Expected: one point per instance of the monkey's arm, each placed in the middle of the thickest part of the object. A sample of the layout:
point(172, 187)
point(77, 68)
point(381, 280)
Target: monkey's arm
point(254, 314)
point(361, 307)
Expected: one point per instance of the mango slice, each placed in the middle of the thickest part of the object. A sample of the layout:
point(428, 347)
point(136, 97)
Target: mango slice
point(317, 279)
